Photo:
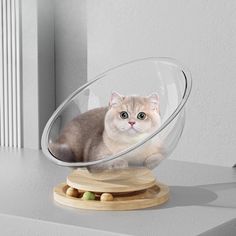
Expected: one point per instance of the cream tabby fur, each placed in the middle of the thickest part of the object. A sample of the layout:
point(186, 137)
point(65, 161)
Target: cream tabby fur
point(103, 132)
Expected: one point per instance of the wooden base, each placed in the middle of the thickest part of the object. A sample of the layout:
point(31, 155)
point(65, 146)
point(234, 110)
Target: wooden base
point(128, 180)
point(134, 192)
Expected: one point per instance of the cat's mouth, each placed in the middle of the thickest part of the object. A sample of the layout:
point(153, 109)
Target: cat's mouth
point(133, 130)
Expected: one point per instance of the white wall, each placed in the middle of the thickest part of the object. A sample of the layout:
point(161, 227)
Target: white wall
point(202, 35)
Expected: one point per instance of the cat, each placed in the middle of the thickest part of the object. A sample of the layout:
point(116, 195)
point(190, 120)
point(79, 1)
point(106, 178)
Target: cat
point(105, 131)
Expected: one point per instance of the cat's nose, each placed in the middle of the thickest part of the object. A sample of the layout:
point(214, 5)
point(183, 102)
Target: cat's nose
point(131, 123)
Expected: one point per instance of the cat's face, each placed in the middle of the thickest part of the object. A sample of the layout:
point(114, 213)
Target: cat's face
point(132, 117)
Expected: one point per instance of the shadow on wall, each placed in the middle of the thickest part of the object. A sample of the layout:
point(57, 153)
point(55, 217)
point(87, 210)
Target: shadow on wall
point(70, 47)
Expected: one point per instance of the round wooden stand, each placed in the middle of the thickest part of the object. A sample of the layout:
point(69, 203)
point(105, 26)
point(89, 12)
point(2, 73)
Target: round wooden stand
point(131, 189)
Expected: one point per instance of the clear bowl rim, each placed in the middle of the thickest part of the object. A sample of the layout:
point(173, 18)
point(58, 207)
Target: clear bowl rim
point(172, 61)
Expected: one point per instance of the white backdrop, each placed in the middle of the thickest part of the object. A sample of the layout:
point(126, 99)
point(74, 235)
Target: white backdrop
point(202, 35)
point(90, 36)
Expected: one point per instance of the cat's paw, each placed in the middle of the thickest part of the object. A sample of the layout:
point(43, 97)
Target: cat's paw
point(118, 164)
point(152, 161)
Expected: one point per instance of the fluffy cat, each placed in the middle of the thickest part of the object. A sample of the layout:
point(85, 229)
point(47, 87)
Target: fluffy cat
point(102, 132)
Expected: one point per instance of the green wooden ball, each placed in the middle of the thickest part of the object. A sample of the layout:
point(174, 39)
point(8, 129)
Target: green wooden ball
point(88, 196)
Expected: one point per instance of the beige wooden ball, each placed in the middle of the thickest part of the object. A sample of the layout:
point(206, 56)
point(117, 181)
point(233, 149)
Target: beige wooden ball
point(106, 197)
point(72, 192)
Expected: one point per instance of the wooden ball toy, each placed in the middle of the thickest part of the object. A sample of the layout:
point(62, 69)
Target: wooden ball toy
point(126, 194)
point(106, 197)
point(72, 192)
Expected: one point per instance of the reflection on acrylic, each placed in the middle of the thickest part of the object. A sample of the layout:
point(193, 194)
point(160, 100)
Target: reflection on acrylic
point(132, 115)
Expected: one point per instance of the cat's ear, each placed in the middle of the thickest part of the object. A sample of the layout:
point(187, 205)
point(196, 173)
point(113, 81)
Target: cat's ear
point(154, 99)
point(115, 99)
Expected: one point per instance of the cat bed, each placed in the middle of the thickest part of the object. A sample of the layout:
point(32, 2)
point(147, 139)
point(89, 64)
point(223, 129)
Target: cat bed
point(136, 106)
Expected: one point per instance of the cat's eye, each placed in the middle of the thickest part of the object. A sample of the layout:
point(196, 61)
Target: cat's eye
point(124, 115)
point(141, 116)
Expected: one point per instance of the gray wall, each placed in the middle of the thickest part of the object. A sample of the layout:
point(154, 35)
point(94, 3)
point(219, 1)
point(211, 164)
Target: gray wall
point(201, 34)
point(70, 47)
point(46, 65)
point(54, 59)
point(37, 69)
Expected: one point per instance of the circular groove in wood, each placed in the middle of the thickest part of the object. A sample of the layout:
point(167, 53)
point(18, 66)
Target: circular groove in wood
point(153, 196)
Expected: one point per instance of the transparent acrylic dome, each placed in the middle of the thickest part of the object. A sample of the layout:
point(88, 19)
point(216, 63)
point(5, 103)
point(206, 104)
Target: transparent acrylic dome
point(140, 77)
